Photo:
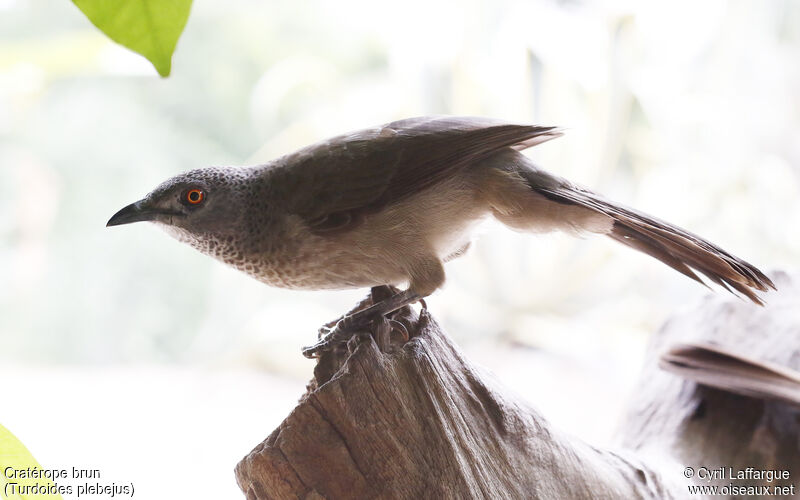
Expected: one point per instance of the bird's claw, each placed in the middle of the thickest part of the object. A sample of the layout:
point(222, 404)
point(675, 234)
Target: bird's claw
point(315, 350)
point(331, 337)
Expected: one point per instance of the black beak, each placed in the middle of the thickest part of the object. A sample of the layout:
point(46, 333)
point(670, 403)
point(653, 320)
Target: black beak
point(135, 212)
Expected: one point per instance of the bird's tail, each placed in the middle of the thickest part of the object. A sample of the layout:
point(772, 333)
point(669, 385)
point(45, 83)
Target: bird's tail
point(681, 250)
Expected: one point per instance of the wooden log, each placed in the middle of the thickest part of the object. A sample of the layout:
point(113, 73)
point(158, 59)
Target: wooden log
point(386, 418)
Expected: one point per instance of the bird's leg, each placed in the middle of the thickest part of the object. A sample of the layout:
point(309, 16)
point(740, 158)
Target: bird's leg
point(360, 320)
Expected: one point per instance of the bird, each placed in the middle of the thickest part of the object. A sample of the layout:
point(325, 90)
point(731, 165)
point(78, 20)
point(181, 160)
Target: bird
point(391, 204)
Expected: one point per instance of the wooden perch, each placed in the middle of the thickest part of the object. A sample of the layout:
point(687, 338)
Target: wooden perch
point(418, 420)
point(390, 418)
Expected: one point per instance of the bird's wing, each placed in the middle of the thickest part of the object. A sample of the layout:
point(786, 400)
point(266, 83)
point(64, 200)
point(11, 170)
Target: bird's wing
point(336, 182)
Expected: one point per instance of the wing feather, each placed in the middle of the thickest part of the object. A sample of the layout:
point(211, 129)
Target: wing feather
point(349, 176)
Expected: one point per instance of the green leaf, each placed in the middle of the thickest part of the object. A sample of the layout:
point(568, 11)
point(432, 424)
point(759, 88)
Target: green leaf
point(14, 455)
point(149, 27)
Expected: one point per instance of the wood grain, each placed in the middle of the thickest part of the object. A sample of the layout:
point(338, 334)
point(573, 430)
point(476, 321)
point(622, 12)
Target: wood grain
point(391, 417)
point(418, 420)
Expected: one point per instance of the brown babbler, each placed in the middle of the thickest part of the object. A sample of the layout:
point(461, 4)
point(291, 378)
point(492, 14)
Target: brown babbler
point(391, 204)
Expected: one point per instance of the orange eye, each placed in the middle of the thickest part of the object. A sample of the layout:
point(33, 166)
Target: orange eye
point(195, 196)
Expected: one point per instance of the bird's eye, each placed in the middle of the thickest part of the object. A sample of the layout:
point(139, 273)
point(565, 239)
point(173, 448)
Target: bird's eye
point(194, 196)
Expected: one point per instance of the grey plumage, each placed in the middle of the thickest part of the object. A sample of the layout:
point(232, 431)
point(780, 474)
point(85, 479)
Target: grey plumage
point(388, 205)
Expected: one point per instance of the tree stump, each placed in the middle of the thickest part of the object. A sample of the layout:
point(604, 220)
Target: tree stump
point(393, 417)
point(390, 418)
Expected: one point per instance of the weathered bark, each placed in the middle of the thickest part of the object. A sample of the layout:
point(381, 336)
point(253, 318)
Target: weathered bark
point(746, 425)
point(417, 420)
point(386, 418)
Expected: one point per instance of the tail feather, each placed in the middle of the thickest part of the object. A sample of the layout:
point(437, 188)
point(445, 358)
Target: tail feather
point(681, 250)
point(651, 247)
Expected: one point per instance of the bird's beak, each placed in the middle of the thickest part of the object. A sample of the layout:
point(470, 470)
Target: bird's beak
point(135, 212)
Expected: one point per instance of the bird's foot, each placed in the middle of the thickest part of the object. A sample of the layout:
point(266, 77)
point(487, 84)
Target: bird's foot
point(344, 329)
point(385, 301)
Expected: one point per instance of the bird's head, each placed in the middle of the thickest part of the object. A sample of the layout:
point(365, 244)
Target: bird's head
point(195, 205)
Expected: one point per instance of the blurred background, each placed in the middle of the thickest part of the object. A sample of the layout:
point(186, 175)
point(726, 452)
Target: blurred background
point(124, 350)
